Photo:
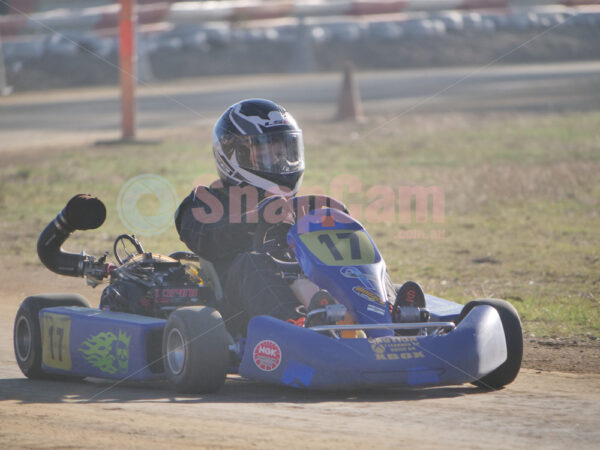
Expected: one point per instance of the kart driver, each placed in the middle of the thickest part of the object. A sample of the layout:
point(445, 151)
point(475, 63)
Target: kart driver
point(259, 151)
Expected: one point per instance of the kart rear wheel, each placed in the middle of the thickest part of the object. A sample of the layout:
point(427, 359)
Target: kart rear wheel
point(513, 333)
point(27, 337)
point(196, 350)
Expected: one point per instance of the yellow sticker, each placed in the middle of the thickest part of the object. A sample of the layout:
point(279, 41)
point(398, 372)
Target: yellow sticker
point(56, 332)
point(340, 247)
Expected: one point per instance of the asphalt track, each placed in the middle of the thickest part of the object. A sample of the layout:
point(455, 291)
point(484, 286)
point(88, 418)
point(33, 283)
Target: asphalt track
point(539, 410)
point(55, 117)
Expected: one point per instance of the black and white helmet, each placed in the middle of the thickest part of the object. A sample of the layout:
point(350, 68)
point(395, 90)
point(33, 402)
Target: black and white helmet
point(258, 143)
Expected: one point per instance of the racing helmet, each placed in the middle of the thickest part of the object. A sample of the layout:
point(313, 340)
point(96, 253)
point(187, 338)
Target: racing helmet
point(258, 143)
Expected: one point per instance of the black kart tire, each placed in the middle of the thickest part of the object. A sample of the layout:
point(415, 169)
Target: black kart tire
point(27, 338)
point(513, 333)
point(196, 350)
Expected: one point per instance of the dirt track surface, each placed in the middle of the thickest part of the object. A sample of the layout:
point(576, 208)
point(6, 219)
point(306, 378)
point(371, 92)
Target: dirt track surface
point(538, 411)
point(541, 409)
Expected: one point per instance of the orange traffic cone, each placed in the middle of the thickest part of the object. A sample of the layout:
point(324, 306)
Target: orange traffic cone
point(349, 105)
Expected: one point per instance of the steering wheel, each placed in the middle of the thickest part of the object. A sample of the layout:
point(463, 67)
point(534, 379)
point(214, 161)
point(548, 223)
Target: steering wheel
point(274, 223)
point(123, 239)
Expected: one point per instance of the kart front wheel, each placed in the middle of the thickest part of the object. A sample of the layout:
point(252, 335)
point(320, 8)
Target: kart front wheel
point(196, 350)
point(27, 335)
point(513, 334)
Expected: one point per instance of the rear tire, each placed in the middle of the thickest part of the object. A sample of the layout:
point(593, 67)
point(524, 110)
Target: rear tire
point(196, 350)
point(27, 338)
point(513, 333)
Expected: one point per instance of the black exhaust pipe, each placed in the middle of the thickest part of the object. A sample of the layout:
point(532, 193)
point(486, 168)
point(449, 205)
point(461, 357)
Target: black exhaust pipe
point(83, 212)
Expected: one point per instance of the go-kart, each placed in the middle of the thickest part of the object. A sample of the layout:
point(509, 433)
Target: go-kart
point(158, 317)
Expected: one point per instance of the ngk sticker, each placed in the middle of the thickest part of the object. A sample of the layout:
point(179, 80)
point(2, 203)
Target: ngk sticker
point(267, 355)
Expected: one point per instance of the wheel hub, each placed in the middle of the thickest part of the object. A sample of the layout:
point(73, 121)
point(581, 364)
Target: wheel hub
point(176, 351)
point(23, 338)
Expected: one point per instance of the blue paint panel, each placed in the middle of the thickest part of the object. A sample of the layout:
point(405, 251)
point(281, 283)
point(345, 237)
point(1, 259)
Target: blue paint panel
point(442, 310)
point(422, 376)
point(297, 374)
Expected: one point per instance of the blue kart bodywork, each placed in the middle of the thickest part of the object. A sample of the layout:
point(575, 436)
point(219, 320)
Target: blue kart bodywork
point(311, 360)
point(336, 253)
point(107, 344)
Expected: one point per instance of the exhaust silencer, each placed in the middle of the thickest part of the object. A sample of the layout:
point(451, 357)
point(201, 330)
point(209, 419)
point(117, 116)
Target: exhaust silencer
point(83, 212)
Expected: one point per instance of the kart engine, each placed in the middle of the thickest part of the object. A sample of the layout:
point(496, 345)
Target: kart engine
point(143, 283)
point(156, 285)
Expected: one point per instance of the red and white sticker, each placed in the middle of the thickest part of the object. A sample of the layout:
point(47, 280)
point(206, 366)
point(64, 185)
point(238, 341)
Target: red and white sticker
point(267, 355)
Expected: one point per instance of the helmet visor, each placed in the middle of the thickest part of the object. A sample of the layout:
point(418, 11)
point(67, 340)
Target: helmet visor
point(276, 153)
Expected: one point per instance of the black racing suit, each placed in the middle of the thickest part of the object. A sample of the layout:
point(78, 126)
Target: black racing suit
point(252, 282)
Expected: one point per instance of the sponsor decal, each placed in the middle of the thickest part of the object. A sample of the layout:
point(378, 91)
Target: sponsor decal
point(367, 280)
point(394, 348)
point(252, 124)
point(366, 294)
point(166, 294)
point(107, 351)
point(267, 355)
point(376, 310)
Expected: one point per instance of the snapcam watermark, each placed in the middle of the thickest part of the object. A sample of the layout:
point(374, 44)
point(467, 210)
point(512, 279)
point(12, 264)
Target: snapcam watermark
point(411, 208)
point(146, 204)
